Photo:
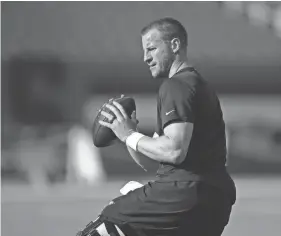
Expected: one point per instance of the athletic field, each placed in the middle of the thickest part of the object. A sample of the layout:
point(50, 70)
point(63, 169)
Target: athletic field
point(61, 210)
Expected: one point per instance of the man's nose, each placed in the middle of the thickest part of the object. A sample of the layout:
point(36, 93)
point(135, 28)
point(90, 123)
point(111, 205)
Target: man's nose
point(147, 58)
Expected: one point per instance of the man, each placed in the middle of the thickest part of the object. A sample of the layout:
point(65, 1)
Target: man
point(192, 193)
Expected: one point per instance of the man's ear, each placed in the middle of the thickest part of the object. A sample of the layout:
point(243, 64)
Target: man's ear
point(175, 45)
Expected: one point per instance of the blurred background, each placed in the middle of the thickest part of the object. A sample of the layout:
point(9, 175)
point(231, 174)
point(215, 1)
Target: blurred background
point(60, 61)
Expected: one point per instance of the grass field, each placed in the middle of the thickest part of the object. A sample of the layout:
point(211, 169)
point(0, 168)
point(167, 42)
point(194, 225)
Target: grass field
point(62, 210)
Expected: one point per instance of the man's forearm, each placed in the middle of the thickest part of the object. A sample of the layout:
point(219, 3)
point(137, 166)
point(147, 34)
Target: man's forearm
point(172, 147)
point(161, 149)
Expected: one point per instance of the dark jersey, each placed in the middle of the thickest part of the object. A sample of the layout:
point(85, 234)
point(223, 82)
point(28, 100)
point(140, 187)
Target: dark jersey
point(187, 97)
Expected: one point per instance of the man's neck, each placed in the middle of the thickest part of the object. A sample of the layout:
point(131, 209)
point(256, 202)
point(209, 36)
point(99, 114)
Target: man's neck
point(177, 66)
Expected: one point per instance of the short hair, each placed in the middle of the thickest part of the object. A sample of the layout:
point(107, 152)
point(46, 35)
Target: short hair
point(170, 28)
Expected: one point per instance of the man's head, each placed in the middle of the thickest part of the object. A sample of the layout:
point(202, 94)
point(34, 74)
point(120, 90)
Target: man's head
point(163, 40)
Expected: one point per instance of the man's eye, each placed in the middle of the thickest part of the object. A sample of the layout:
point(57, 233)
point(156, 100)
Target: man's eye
point(151, 49)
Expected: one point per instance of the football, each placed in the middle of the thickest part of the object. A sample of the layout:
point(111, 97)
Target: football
point(103, 136)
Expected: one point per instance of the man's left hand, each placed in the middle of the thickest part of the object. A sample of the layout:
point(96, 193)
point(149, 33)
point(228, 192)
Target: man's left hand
point(122, 125)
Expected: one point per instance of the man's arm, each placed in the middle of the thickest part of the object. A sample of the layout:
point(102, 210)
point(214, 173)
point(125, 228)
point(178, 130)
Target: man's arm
point(143, 161)
point(172, 147)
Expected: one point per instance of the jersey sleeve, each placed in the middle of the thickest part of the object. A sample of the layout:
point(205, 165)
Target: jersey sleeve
point(177, 103)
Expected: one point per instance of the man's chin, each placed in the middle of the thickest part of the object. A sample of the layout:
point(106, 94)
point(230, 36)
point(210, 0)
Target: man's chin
point(154, 76)
point(157, 76)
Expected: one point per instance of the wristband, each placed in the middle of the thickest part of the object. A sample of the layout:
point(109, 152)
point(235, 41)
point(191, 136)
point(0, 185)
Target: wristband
point(133, 140)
